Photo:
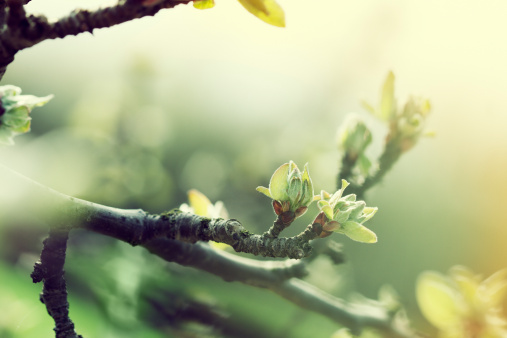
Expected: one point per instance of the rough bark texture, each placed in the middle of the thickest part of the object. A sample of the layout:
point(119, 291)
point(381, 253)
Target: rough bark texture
point(49, 270)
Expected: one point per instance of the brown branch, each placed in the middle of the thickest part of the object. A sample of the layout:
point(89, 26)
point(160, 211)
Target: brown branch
point(24, 31)
point(49, 270)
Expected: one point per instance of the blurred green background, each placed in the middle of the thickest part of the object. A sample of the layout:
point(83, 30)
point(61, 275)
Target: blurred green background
point(216, 100)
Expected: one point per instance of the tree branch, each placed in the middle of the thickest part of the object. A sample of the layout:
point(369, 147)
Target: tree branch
point(138, 227)
point(24, 31)
point(49, 270)
point(178, 244)
point(283, 279)
point(354, 316)
point(390, 155)
point(175, 308)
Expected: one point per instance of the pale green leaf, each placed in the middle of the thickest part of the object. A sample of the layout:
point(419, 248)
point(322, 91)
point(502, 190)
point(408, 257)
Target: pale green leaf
point(343, 215)
point(328, 211)
point(30, 101)
point(306, 178)
point(266, 10)
point(278, 184)
point(264, 190)
point(358, 232)
point(368, 213)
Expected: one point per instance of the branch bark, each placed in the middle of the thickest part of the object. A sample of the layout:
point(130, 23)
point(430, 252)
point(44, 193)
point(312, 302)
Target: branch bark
point(49, 270)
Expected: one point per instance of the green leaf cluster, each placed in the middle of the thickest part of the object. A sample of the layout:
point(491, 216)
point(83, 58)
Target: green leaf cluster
point(405, 125)
point(345, 215)
point(289, 187)
point(15, 112)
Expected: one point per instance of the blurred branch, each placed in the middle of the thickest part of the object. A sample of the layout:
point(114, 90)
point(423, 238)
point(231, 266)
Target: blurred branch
point(354, 316)
point(278, 279)
point(329, 248)
point(175, 309)
point(390, 155)
point(49, 270)
point(20, 31)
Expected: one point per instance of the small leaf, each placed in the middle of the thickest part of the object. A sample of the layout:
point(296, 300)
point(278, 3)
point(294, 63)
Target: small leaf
point(368, 213)
point(204, 4)
point(308, 195)
point(349, 198)
point(16, 109)
point(30, 101)
point(326, 208)
point(264, 190)
point(266, 10)
point(357, 209)
point(358, 232)
point(343, 215)
point(199, 202)
point(325, 195)
point(278, 184)
point(328, 211)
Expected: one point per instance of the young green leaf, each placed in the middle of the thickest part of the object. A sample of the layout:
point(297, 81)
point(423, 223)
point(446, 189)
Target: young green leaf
point(15, 112)
point(358, 232)
point(266, 10)
point(278, 184)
